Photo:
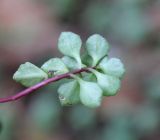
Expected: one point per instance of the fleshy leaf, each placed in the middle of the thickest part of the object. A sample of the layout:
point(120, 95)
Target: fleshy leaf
point(90, 93)
point(70, 44)
point(97, 47)
point(70, 62)
point(69, 93)
point(109, 84)
point(29, 74)
point(55, 66)
point(113, 66)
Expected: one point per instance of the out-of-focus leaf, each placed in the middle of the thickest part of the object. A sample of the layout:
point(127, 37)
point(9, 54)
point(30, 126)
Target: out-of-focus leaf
point(63, 7)
point(146, 119)
point(7, 124)
point(45, 112)
point(153, 87)
point(119, 128)
point(97, 11)
point(130, 24)
point(80, 123)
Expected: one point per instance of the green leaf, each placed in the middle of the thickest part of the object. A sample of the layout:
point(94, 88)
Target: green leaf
point(97, 47)
point(109, 84)
point(90, 94)
point(70, 62)
point(70, 44)
point(69, 93)
point(54, 65)
point(113, 66)
point(87, 59)
point(29, 74)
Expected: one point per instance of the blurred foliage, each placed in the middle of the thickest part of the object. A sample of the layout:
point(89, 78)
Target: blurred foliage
point(124, 19)
point(64, 7)
point(78, 122)
point(7, 120)
point(153, 87)
point(45, 112)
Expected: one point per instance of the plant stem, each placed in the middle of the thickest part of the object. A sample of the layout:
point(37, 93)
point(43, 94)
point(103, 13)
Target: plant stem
point(41, 84)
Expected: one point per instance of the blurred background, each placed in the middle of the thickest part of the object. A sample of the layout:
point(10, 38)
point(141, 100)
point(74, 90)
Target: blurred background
point(29, 30)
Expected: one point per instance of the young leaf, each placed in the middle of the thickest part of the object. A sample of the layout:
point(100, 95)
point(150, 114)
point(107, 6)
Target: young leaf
point(90, 93)
point(29, 74)
point(70, 62)
point(70, 44)
point(97, 47)
point(54, 65)
point(109, 84)
point(69, 93)
point(87, 59)
point(113, 66)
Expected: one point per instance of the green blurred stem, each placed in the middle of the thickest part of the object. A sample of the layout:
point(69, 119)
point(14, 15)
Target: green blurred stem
point(43, 83)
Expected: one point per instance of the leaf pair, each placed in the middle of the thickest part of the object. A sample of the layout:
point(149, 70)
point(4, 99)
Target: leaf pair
point(29, 74)
point(89, 93)
point(70, 45)
point(109, 80)
point(109, 84)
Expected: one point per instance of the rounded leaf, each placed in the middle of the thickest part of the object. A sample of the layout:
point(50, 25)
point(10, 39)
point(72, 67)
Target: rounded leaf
point(97, 47)
point(70, 62)
point(113, 66)
point(70, 44)
point(69, 93)
point(90, 94)
point(29, 74)
point(55, 66)
point(109, 84)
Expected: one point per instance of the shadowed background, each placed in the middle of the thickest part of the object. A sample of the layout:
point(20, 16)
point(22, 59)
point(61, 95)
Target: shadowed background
point(29, 30)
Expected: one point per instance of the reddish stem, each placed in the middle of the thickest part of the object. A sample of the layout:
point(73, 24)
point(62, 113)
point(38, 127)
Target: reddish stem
point(41, 84)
